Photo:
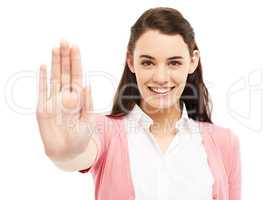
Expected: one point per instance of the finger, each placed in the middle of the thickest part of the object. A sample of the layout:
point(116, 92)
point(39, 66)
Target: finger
point(65, 64)
point(89, 99)
point(55, 72)
point(87, 103)
point(42, 97)
point(76, 68)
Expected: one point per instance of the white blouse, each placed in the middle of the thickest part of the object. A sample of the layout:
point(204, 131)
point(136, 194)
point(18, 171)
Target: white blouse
point(182, 172)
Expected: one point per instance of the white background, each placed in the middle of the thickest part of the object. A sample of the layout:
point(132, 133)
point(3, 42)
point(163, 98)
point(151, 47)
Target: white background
point(232, 39)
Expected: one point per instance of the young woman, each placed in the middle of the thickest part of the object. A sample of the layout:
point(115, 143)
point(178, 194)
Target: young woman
point(159, 141)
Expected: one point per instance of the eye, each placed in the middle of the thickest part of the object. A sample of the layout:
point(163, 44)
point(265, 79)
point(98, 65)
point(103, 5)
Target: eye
point(146, 63)
point(175, 63)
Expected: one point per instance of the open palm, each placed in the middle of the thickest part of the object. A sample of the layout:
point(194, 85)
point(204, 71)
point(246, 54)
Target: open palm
point(64, 115)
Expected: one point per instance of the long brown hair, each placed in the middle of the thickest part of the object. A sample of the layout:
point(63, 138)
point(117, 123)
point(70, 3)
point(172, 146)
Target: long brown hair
point(168, 21)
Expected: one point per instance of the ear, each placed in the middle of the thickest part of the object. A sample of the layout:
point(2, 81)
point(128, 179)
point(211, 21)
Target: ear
point(194, 61)
point(129, 61)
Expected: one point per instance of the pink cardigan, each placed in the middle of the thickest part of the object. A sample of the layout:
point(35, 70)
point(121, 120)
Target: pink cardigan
point(111, 169)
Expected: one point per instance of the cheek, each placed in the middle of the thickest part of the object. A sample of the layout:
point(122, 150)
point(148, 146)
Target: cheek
point(180, 80)
point(179, 76)
point(143, 76)
point(142, 79)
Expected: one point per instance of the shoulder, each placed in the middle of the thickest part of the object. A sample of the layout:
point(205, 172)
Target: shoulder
point(109, 125)
point(105, 120)
point(223, 136)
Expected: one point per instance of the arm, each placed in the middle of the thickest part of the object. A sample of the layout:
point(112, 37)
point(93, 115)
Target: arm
point(235, 172)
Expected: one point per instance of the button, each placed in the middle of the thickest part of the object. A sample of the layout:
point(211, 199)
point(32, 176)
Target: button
point(214, 196)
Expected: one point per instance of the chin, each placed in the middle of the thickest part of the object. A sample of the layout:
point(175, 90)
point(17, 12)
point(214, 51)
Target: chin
point(160, 104)
point(156, 101)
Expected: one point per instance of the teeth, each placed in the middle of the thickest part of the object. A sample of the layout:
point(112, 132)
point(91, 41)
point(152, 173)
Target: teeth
point(160, 90)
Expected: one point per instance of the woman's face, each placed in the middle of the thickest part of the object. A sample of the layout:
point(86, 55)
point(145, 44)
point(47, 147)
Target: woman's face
point(161, 64)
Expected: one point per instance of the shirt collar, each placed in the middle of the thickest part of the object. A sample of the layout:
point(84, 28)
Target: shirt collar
point(143, 120)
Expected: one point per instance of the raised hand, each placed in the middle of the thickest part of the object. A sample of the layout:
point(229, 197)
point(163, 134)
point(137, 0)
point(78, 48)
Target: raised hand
point(64, 114)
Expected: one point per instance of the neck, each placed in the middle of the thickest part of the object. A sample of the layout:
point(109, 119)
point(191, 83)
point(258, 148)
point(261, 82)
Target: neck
point(163, 119)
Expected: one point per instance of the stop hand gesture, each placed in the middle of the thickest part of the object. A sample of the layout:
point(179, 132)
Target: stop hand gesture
point(64, 116)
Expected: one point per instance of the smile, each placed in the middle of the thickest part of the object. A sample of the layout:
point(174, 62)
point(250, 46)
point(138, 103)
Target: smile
point(161, 91)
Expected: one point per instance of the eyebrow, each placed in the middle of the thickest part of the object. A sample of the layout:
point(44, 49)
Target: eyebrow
point(170, 58)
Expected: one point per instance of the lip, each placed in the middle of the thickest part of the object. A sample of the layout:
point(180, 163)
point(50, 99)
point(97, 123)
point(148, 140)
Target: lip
point(161, 94)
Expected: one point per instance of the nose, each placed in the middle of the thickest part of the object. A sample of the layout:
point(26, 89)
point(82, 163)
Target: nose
point(160, 75)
